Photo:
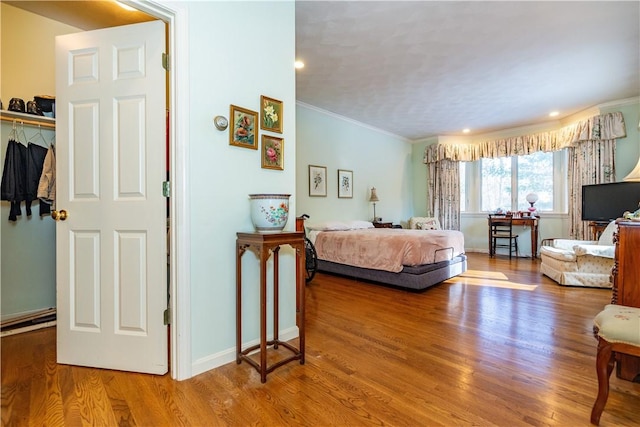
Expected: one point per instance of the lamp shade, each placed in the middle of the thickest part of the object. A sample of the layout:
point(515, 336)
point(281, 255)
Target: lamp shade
point(374, 195)
point(532, 198)
point(634, 175)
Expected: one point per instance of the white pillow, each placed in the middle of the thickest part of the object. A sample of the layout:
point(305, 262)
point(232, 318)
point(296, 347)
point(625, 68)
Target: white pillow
point(358, 224)
point(327, 226)
point(606, 238)
point(431, 224)
point(416, 222)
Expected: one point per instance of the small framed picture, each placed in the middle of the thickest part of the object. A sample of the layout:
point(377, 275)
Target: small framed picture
point(317, 181)
point(345, 184)
point(270, 114)
point(243, 128)
point(272, 152)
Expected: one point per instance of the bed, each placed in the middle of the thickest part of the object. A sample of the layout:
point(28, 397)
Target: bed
point(410, 259)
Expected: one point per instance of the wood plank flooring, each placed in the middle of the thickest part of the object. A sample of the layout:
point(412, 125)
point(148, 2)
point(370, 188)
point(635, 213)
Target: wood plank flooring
point(501, 346)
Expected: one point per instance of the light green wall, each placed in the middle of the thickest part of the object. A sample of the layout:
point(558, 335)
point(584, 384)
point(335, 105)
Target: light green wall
point(377, 160)
point(238, 51)
point(27, 245)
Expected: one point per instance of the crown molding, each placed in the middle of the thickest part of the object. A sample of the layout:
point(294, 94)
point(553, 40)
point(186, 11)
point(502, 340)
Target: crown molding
point(620, 102)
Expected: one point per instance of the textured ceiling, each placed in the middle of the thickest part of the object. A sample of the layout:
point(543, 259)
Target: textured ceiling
point(423, 68)
point(419, 69)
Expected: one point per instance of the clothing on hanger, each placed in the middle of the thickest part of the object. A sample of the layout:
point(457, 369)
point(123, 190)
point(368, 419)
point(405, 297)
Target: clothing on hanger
point(13, 186)
point(35, 160)
point(47, 185)
point(23, 166)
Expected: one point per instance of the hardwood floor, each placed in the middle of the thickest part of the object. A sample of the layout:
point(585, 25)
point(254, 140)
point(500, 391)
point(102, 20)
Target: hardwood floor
point(502, 345)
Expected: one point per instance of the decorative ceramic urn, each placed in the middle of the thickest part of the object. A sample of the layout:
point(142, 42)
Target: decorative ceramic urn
point(269, 212)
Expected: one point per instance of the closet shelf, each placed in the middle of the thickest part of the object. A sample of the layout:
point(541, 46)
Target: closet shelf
point(28, 119)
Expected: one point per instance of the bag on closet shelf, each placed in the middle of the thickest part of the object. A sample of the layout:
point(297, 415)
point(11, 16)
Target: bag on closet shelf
point(16, 104)
point(32, 108)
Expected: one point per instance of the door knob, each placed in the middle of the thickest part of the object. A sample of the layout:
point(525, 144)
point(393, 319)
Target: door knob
point(59, 215)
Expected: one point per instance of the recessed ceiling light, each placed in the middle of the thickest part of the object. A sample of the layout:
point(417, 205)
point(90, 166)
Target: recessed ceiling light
point(553, 113)
point(298, 64)
point(466, 130)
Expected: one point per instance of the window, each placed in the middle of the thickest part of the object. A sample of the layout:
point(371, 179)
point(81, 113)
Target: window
point(496, 184)
point(504, 182)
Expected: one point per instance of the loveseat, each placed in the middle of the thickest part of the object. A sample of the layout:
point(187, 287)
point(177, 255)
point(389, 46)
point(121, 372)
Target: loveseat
point(585, 263)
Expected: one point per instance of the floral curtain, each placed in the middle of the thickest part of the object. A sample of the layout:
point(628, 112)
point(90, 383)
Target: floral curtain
point(602, 127)
point(591, 162)
point(443, 182)
point(591, 145)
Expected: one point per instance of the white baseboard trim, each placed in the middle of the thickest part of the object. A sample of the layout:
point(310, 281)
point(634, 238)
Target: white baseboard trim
point(27, 314)
point(223, 357)
point(28, 328)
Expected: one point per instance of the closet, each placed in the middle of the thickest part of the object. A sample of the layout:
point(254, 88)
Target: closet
point(28, 245)
point(28, 242)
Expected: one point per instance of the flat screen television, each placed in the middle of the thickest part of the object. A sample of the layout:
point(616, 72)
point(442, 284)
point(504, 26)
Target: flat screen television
point(606, 202)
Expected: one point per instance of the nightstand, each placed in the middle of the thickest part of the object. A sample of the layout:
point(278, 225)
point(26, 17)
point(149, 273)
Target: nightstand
point(382, 224)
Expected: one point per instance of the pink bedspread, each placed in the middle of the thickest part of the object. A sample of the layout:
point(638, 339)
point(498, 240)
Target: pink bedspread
point(388, 249)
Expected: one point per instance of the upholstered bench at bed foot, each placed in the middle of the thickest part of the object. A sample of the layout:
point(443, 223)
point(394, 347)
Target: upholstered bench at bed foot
point(617, 328)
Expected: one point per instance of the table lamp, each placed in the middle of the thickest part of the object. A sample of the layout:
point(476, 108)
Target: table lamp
point(532, 198)
point(634, 175)
point(374, 198)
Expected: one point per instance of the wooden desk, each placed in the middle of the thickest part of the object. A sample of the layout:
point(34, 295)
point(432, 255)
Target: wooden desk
point(525, 221)
point(263, 244)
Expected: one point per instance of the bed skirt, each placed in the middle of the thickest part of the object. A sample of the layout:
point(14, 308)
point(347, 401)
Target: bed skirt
point(417, 278)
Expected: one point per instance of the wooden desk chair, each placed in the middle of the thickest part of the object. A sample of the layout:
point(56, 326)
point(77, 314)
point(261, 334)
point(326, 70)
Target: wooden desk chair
point(617, 328)
point(501, 229)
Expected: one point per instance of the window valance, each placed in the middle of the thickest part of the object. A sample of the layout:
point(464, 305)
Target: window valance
point(601, 127)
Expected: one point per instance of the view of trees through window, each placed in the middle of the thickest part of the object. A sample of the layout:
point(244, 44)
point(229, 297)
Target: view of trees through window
point(506, 181)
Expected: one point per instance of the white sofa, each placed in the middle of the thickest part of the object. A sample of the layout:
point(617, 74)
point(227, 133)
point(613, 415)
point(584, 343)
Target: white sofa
point(586, 263)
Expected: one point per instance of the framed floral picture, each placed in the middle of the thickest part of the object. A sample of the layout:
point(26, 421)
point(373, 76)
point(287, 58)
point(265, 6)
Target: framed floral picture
point(317, 181)
point(345, 184)
point(242, 132)
point(270, 114)
point(272, 152)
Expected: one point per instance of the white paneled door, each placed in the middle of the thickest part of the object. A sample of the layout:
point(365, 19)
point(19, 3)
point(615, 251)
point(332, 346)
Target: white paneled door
point(110, 152)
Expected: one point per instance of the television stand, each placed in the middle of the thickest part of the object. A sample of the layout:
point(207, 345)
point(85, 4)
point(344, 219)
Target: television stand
point(597, 227)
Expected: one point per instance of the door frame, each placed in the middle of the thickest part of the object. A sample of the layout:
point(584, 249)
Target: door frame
point(176, 18)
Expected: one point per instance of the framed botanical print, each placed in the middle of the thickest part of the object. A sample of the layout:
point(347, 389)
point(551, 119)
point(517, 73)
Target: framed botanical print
point(317, 181)
point(243, 128)
point(271, 114)
point(345, 184)
point(272, 152)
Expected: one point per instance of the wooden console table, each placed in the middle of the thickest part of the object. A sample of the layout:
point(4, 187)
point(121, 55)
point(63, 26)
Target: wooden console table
point(263, 244)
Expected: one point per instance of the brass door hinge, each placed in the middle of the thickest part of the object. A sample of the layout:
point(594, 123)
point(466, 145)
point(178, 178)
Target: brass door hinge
point(165, 61)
